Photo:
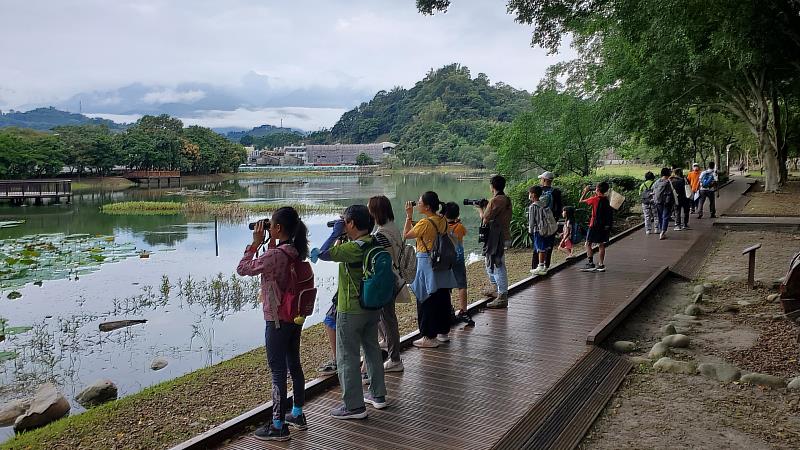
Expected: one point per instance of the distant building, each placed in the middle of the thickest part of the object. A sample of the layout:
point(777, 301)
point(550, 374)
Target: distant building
point(338, 154)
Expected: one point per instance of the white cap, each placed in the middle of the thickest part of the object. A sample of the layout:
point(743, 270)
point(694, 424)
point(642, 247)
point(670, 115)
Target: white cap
point(547, 175)
point(695, 165)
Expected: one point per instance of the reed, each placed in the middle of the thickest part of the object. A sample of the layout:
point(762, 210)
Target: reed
point(223, 210)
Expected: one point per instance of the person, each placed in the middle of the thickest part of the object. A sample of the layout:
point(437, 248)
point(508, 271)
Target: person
point(431, 287)
point(457, 232)
point(708, 187)
point(694, 180)
point(287, 241)
point(569, 236)
point(329, 325)
point(551, 198)
point(388, 235)
point(496, 215)
point(682, 203)
point(664, 197)
point(536, 221)
point(356, 328)
point(651, 222)
point(599, 226)
point(741, 167)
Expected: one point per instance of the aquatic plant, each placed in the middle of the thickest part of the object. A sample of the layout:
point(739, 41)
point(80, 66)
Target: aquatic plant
point(227, 211)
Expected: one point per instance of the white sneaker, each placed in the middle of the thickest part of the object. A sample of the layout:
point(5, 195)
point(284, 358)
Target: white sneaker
point(426, 343)
point(678, 228)
point(647, 232)
point(393, 366)
point(443, 338)
point(541, 270)
point(662, 236)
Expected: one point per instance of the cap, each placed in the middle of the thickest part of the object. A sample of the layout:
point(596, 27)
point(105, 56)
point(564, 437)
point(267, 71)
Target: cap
point(547, 175)
point(695, 165)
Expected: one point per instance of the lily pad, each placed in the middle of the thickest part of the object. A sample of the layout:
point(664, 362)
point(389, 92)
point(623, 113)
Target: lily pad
point(9, 331)
point(7, 356)
point(13, 295)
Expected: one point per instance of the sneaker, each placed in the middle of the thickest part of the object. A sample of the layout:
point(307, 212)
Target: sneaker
point(426, 343)
point(588, 267)
point(329, 368)
point(393, 366)
point(376, 402)
point(343, 413)
point(270, 433)
point(298, 422)
point(687, 227)
point(647, 232)
point(600, 268)
point(443, 337)
point(383, 345)
point(490, 292)
point(662, 236)
point(699, 216)
point(678, 228)
point(365, 379)
point(500, 302)
point(541, 270)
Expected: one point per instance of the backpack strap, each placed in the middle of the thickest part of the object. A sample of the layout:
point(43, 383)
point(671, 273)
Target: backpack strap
point(427, 250)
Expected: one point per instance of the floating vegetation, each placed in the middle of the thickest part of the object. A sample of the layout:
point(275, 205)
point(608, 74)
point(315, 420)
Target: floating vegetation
point(11, 223)
point(7, 356)
point(32, 259)
point(13, 295)
point(224, 210)
point(199, 193)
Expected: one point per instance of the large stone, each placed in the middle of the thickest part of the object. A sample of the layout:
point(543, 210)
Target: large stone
point(97, 393)
point(771, 298)
point(639, 360)
point(684, 317)
point(47, 406)
point(668, 329)
point(693, 310)
point(159, 363)
point(11, 410)
point(762, 379)
point(699, 289)
point(708, 286)
point(794, 385)
point(698, 298)
point(624, 346)
point(659, 350)
point(676, 340)
point(743, 303)
point(670, 365)
point(730, 307)
point(720, 371)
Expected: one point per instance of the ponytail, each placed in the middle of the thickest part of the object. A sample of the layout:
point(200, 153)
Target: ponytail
point(295, 228)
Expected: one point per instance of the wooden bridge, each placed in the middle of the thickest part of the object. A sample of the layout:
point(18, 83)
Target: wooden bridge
point(159, 178)
point(18, 191)
point(531, 376)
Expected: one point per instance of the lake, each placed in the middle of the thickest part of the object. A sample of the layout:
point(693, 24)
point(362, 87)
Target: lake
point(83, 268)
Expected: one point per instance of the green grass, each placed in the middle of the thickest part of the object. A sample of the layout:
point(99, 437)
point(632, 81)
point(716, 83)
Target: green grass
point(143, 208)
point(632, 170)
point(223, 210)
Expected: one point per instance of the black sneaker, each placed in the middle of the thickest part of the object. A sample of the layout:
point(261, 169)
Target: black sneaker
point(600, 268)
point(588, 267)
point(270, 433)
point(298, 422)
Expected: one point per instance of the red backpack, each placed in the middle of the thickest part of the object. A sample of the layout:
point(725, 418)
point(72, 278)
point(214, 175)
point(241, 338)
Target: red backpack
point(299, 296)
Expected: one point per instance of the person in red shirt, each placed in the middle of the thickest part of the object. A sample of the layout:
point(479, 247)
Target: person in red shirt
point(599, 226)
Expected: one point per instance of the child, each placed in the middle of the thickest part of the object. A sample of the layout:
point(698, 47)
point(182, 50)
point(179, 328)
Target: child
point(599, 226)
point(457, 232)
point(542, 241)
point(648, 204)
point(570, 231)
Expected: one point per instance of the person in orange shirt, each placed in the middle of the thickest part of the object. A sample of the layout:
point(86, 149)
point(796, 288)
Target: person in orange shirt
point(694, 181)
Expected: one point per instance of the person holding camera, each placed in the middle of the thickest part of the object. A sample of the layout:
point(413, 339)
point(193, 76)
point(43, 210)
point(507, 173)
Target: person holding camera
point(356, 328)
point(286, 238)
point(599, 226)
point(496, 215)
point(431, 286)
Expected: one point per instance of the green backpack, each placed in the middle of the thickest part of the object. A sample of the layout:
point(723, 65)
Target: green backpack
point(379, 283)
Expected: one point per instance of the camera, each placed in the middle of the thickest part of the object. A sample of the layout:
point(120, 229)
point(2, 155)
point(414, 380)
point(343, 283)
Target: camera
point(477, 202)
point(252, 225)
point(413, 203)
point(332, 223)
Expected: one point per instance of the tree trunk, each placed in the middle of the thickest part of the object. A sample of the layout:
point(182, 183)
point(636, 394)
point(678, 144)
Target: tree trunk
point(771, 167)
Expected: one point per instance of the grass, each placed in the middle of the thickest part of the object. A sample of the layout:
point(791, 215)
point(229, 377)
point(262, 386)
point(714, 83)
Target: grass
point(229, 211)
point(168, 413)
point(633, 170)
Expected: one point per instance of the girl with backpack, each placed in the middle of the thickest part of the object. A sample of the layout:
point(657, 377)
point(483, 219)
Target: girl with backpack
point(287, 244)
point(664, 197)
point(651, 222)
point(432, 283)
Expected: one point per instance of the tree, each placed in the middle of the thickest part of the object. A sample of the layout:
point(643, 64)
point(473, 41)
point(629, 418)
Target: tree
point(88, 147)
point(214, 153)
point(26, 153)
point(364, 159)
point(246, 140)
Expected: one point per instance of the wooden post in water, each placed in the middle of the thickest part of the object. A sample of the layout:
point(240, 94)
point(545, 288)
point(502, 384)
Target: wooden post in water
point(216, 240)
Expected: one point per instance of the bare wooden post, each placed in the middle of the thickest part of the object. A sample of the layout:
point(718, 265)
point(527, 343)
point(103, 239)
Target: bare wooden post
point(751, 264)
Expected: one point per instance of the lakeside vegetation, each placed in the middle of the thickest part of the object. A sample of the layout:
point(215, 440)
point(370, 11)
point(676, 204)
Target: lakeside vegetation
point(222, 210)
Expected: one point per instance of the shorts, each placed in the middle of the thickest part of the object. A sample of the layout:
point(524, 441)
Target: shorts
point(460, 274)
point(330, 317)
point(566, 244)
point(597, 236)
point(543, 243)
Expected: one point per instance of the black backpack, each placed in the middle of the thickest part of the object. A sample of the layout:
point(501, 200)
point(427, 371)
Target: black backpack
point(666, 197)
point(443, 253)
point(557, 205)
point(604, 217)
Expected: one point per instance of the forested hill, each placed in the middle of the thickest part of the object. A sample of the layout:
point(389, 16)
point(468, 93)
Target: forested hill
point(48, 118)
point(446, 116)
point(261, 131)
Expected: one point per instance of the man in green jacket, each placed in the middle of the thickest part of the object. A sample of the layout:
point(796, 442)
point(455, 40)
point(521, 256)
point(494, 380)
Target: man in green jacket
point(356, 327)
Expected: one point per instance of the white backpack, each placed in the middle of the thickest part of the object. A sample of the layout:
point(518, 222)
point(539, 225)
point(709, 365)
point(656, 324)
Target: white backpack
point(549, 226)
point(407, 263)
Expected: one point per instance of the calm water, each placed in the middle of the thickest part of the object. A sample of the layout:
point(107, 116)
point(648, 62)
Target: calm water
point(196, 313)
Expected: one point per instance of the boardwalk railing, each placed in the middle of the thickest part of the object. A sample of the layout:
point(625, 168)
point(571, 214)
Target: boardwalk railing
point(37, 189)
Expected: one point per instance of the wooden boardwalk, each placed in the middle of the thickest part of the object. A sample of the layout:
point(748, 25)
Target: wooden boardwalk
point(523, 377)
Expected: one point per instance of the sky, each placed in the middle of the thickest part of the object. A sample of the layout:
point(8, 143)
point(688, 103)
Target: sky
point(243, 63)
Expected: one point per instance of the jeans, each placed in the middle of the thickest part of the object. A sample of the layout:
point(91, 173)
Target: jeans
point(712, 202)
point(354, 332)
point(433, 315)
point(283, 351)
point(664, 212)
point(390, 330)
point(499, 275)
point(650, 217)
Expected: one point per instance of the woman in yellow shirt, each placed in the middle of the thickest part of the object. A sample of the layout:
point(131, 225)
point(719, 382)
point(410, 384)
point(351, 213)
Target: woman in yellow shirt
point(431, 288)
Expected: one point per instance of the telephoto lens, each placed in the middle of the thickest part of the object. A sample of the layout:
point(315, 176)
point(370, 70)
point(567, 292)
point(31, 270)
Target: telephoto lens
point(252, 225)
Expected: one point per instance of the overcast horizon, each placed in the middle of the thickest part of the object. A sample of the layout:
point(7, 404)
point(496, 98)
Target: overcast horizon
point(244, 63)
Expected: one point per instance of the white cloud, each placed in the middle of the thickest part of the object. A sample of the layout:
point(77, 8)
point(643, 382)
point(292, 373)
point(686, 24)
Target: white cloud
point(173, 96)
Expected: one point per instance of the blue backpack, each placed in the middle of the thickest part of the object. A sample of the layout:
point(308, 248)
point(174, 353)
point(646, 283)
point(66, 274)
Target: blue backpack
point(379, 284)
point(707, 179)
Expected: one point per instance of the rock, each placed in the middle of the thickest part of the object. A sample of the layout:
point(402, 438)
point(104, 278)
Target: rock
point(708, 286)
point(684, 317)
point(719, 371)
point(762, 379)
point(699, 289)
point(676, 340)
point(769, 284)
point(659, 350)
point(794, 384)
point(670, 365)
point(771, 298)
point(734, 279)
point(743, 303)
point(624, 346)
point(730, 308)
point(97, 393)
point(47, 406)
point(639, 360)
point(693, 310)
point(698, 298)
point(778, 316)
point(11, 410)
point(159, 363)
point(668, 329)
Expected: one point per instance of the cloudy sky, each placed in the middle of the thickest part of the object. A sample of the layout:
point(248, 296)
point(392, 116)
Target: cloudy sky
point(246, 62)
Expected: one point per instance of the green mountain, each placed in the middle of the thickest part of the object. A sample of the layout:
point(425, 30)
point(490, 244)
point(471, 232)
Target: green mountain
point(49, 118)
point(446, 116)
point(261, 131)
